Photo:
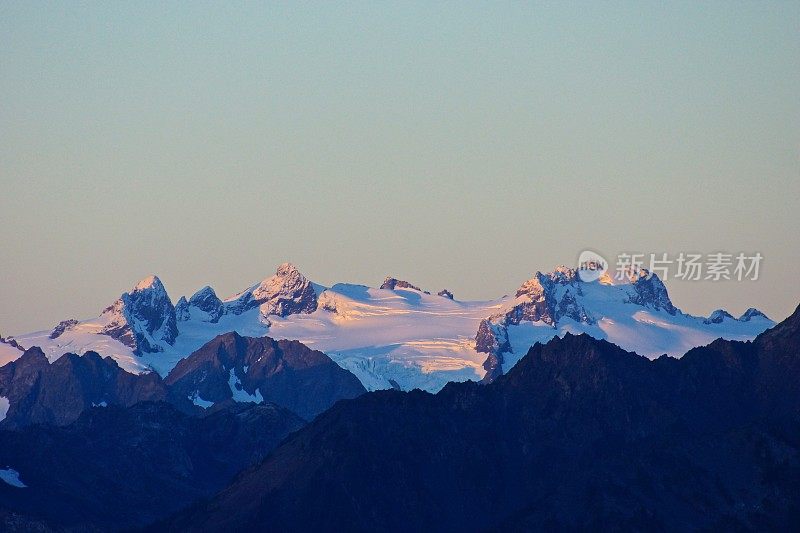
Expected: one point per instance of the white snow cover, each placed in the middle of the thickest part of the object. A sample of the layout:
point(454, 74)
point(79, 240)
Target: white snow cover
point(4, 405)
point(239, 394)
point(11, 476)
point(197, 400)
point(405, 337)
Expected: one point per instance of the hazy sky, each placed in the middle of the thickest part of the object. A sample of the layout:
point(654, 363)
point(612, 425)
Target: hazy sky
point(455, 145)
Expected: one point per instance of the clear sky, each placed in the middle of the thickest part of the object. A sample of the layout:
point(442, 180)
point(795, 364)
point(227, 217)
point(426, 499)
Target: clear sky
point(458, 145)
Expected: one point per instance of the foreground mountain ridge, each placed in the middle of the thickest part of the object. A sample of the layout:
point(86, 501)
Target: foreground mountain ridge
point(118, 468)
point(227, 370)
point(580, 434)
point(396, 336)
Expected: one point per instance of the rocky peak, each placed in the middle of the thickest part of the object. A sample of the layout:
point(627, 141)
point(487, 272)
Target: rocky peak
point(541, 282)
point(206, 301)
point(149, 282)
point(143, 318)
point(649, 291)
point(752, 313)
point(61, 327)
point(445, 293)
point(33, 356)
point(182, 309)
point(394, 283)
point(549, 297)
point(717, 317)
point(286, 293)
point(545, 297)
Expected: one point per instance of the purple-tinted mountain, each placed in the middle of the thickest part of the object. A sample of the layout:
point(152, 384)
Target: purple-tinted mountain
point(579, 435)
point(39, 392)
point(120, 469)
point(288, 373)
point(287, 292)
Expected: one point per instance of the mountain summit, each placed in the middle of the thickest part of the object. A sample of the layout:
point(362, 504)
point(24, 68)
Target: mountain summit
point(143, 319)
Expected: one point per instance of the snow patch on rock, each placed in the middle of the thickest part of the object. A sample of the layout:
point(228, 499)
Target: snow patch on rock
point(11, 477)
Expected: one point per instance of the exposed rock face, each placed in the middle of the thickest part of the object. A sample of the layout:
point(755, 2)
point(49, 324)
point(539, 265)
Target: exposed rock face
point(143, 318)
point(578, 435)
point(393, 283)
point(493, 340)
point(445, 293)
point(546, 298)
point(182, 310)
point(120, 469)
point(555, 296)
point(549, 297)
point(63, 326)
point(58, 392)
point(649, 291)
point(12, 342)
point(287, 292)
point(232, 367)
point(203, 305)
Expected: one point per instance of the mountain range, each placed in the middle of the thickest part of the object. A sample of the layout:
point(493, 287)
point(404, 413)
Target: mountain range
point(221, 419)
point(579, 435)
point(228, 369)
point(395, 336)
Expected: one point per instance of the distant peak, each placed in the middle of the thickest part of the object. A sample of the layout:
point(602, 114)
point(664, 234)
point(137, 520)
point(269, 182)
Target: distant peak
point(149, 282)
point(394, 283)
point(205, 292)
point(717, 317)
point(752, 313)
point(286, 269)
point(563, 272)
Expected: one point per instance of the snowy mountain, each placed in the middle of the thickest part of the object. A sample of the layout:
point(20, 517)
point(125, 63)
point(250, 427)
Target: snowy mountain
point(397, 336)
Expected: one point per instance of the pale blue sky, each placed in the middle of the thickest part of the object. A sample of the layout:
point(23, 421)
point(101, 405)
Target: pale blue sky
point(456, 145)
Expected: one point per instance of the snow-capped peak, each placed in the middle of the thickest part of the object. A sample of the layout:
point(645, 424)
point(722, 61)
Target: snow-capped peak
point(204, 305)
point(287, 292)
point(202, 295)
point(149, 282)
point(752, 313)
point(142, 319)
point(287, 270)
point(718, 316)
